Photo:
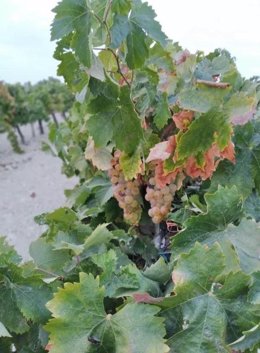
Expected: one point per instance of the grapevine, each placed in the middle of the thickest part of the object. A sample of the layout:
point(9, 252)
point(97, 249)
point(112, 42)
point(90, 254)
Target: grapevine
point(172, 140)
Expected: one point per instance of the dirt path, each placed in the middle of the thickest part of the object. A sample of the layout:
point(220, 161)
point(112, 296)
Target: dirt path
point(30, 184)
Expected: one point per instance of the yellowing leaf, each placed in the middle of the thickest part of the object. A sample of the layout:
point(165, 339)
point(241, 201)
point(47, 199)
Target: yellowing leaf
point(100, 157)
point(131, 165)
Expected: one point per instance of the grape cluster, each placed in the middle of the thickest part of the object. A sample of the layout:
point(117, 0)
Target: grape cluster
point(126, 192)
point(160, 200)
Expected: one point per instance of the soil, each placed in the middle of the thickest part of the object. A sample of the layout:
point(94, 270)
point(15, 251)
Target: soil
point(30, 184)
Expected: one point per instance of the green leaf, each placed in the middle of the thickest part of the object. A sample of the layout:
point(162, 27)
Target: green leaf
point(245, 239)
point(250, 340)
point(143, 16)
point(202, 99)
point(223, 207)
point(206, 301)
point(119, 31)
point(254, 293)
point(252, 206)
point(160, 271)
point(137, 50)
point(121, 332)
point(8, 253)
point(31, 296)
point(47, 259)
point(62, 215)
point(141, 19)
point(10, 314)
point(122, 280)
point(69, 68)
point(162, 112)
point(121, 7)
point(76, 309)
point(108, 60)
point(74, 17)
point(100, 236)
point(96, 129)
point(80, 323)
point(202, 134)
point(114, 115)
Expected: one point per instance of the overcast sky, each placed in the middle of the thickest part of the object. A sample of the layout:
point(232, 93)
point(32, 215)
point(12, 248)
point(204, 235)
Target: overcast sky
point(26, 51)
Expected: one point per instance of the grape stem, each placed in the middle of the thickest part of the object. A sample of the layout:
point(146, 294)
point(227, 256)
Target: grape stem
point(118, 67)
point(213, 84)
point(108, 6)
point(157, 236)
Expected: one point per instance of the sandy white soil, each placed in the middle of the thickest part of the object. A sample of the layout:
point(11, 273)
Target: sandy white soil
point(30, 184)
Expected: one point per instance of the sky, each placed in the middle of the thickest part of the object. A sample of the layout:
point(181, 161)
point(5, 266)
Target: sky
point(26, 51)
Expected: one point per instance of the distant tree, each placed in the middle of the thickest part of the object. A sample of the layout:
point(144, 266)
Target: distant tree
point(7, 110)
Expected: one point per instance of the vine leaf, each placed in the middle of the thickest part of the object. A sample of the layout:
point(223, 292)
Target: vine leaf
point(115, 119)
point(162, 112)
point(100, 157)
point(254, 293)
point(205, 302)
point(74, 17)
point(201, 100)
point(247, 142)
point(241, 108)
point(80, 305)
point(141, 20)
point(223, 208)
point(22, 299)
point(137, 50)
point(131, 165)
point(159, 152)
point(249, 341)
point(123, 279)
point(8, 254)
point(202, 133)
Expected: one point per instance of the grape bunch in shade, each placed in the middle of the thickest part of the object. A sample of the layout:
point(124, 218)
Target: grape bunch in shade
point(160, 200)
point(126, 192)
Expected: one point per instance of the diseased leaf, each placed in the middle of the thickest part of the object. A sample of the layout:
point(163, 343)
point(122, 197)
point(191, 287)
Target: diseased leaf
point(241, 108)
point(201, 134)
point(159, 152)
point(131, 165)
point(100, 157)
